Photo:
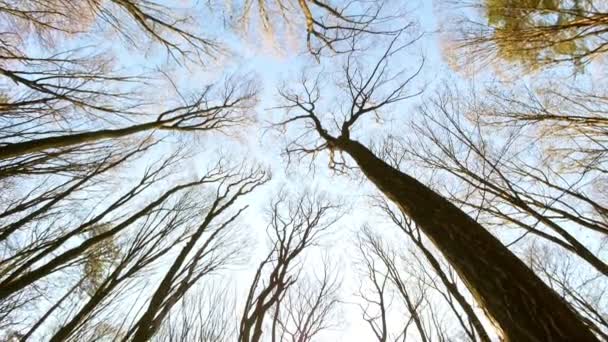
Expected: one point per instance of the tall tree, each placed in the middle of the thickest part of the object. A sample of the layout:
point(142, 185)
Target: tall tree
point(295, 224)
point(184, 273)
point(569, 121)
point(203, 114)
point(526, 311)
point(112, 258)
point(205, 315)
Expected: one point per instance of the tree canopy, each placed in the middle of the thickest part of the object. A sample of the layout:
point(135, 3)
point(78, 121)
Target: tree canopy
point(535, 34)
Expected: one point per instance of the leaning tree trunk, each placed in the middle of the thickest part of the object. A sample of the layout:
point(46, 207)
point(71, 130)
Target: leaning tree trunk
point(519, 302)
point(32, 146)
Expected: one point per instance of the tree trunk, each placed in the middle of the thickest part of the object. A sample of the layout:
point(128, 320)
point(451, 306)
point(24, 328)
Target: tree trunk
point(19, 149)
point(68, 327)
point(519, 302)
point(146, 327)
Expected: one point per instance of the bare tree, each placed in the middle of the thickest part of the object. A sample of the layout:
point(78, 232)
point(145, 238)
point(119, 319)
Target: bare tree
point(155, 238)
point(60, 249)
point(378, 290)
point(388, 259)
point(409, 279)
point(308, 308)
point(112, 259)
point(586, 291)
point(49, 21)
point(85, 211)
point(295, 224)
point(203, 114)
point(481, 260)
point(185, 272)
point(569, 121)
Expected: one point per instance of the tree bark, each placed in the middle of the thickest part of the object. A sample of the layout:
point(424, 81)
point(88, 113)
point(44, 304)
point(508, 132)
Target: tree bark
point(519, 302)
point(19, 149)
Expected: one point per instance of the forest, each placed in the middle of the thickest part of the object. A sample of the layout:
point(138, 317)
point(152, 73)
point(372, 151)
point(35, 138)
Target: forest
point(304, 170)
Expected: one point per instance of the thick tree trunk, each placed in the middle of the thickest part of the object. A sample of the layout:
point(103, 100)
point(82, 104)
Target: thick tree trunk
point(32, 146)
point(522, 306)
